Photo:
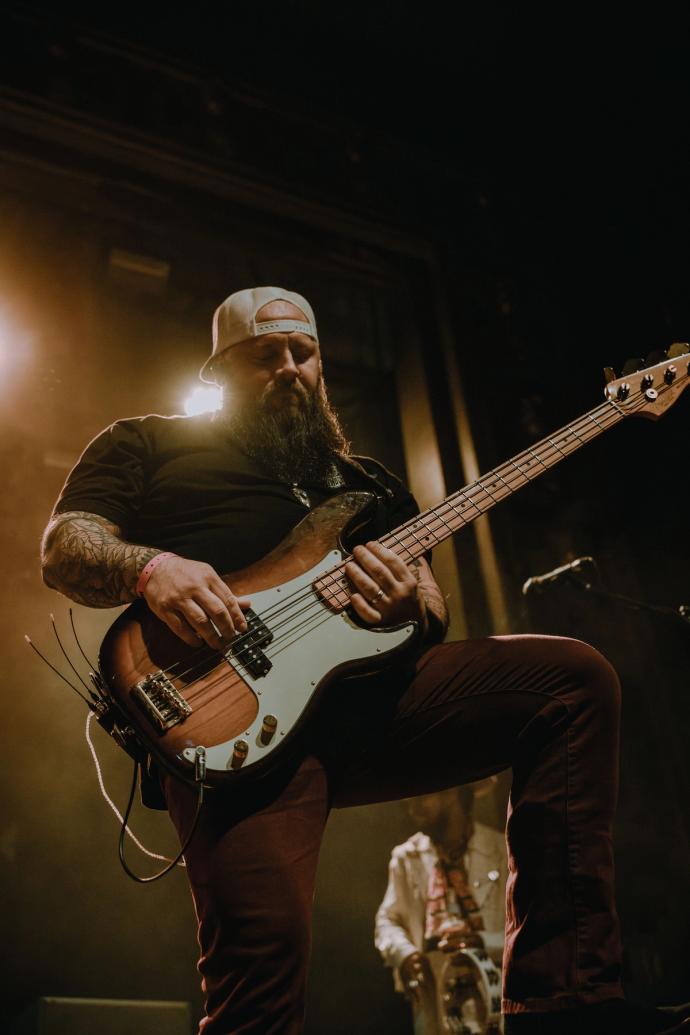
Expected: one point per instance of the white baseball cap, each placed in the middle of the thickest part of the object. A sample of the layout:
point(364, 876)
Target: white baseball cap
point(235, 320)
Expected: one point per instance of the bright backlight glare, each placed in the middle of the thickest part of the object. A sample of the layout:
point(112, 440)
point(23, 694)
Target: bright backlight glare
point(16, 346)
point(203, 400)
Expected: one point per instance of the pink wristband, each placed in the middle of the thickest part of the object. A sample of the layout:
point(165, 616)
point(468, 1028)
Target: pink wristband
point(148, 570)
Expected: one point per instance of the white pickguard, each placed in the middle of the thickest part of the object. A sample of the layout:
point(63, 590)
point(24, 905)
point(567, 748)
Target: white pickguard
point(309, 643)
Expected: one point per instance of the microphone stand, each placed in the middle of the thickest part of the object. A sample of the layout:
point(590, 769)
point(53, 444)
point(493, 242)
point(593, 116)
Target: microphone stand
point(586, 581)
point(681, 613)
point(575, 574)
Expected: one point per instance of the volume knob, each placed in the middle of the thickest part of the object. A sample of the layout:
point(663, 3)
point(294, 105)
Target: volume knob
point(268, 728)
point(239, 754)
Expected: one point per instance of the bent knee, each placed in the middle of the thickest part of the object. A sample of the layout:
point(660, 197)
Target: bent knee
point(591, 672)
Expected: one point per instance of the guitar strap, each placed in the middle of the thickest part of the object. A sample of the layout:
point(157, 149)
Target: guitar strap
point(355, 462)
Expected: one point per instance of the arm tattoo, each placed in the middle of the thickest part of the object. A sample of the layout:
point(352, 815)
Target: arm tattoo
point(416, 566)
point(85, 557)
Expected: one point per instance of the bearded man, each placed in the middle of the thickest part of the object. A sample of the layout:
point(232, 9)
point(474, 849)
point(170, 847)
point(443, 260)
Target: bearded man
point(162, 507)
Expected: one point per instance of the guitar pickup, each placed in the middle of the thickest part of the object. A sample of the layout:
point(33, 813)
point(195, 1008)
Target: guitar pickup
point(161, 702)
point(247, 648)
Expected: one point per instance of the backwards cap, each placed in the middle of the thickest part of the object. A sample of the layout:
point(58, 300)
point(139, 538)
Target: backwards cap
point(235, 320)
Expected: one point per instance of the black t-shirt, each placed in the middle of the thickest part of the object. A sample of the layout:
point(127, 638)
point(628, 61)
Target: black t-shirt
point(181, 484)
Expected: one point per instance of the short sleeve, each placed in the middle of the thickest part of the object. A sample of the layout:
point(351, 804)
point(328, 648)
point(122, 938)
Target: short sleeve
point(110, 476)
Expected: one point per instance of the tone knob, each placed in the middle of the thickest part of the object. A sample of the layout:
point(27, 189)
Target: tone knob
point(239, 754)
point(268, 728)
point(670, 374)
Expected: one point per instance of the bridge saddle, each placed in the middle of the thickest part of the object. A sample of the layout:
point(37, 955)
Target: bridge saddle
point(163, 705)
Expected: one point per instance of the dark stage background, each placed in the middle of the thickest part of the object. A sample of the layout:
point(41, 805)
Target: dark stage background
point(514, 183)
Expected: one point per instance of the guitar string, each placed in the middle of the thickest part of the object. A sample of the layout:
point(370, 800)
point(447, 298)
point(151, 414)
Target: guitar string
point(310, 597)
point(224, 686)
point(467, 495)
point(306, 628)
point(224, 683)
point(303, 630)
point(317, 619)
point(314, 622)
point(307, 593)
point(224, 671)
point(230, 677)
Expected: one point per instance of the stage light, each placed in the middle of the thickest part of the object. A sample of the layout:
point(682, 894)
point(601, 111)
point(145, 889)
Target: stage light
point(203, 400)
point(16, 346)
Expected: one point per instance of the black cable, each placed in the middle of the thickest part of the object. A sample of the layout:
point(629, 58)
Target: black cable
point(200, 772)
point(59, 673)
point(123, 831)
point(66, 655)
point(76, 640)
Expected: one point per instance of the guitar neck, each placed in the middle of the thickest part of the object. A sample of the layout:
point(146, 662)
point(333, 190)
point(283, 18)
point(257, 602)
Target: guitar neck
point(463, 507)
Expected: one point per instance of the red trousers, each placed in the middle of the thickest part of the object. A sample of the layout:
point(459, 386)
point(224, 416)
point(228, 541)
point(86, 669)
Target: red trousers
point(547, 706)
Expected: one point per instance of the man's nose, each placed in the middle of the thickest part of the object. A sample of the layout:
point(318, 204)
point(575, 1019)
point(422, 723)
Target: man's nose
point(286, 371)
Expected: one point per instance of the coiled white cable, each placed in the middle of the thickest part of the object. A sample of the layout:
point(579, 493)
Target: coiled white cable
point(113, 806)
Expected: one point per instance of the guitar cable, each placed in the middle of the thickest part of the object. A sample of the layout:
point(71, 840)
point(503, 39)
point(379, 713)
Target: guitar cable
point(124, 829)
point(200, 773)
point(99, 707)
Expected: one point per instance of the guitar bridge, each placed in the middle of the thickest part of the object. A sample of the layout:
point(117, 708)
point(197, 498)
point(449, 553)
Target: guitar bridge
point(163, 705)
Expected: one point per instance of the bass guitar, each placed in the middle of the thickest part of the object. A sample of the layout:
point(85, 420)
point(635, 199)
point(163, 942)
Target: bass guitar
point(238, 709)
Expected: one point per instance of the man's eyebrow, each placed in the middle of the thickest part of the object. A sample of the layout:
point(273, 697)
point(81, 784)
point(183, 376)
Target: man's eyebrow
point(266, 346)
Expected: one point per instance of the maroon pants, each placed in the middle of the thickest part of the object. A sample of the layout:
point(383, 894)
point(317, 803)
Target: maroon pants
point(547, 706)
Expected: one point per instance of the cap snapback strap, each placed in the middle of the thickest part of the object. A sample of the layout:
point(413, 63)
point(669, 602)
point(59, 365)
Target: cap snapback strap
point(296, 326)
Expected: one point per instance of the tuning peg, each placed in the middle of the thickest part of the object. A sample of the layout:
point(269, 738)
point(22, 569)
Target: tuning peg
point(632, 365)
point(609, 374)
point(679, 348)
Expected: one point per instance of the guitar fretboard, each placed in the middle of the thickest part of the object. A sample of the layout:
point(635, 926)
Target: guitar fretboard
point(461, 508)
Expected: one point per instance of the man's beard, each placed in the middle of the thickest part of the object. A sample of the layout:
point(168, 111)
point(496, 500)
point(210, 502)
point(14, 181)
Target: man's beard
point(296, 443)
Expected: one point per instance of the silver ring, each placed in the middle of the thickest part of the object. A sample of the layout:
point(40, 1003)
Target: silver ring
point(379, 595)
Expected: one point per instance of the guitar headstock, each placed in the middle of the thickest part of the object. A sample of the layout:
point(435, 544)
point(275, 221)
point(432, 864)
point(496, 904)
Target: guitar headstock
point(648, 391)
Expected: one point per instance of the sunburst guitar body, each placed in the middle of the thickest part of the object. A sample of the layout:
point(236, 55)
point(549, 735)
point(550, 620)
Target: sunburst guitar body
point(244, 705)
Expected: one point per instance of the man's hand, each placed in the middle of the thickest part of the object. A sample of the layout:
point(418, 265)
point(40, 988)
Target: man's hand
point(193, 601)
point(415, 974)
point(385, 589)
point(460, 936)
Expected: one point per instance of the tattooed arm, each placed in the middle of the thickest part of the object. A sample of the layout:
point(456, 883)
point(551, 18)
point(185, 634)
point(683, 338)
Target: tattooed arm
point(85, 557)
